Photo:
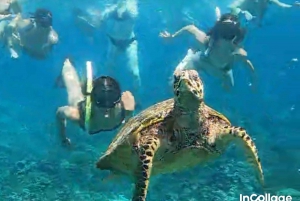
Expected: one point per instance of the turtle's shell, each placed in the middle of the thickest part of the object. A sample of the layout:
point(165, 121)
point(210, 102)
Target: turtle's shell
point(120, 150)
point(120, 156)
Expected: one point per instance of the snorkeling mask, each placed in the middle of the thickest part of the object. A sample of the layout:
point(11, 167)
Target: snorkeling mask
point(106, 92)
point(42, 17)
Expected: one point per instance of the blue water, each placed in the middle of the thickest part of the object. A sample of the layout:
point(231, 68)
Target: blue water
point(35, 167)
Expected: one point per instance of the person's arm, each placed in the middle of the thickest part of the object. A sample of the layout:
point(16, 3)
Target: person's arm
point(280, 4)
point(192, 29)
point(52, 38)
point(93, 20)
point(108, 12)
point(15, 7)
point(13, 53)
point(236, 9)
point(241, 55)
point(62, 115)
point(200, 36)
point(6, 17)
point(128, 115)
point(11, 36)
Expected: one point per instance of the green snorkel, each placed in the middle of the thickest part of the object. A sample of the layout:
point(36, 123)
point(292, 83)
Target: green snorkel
point(89, 87)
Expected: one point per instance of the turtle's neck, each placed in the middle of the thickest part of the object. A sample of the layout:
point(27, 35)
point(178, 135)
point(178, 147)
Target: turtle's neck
point(188, 116)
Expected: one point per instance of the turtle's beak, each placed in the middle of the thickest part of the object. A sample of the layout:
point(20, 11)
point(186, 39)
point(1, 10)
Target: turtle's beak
point(184, 85)
point(188, 92)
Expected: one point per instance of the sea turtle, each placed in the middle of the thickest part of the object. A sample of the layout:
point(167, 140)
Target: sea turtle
point(173, 135)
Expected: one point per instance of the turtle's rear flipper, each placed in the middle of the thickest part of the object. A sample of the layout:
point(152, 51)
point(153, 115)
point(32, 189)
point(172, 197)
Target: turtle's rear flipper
point(248, 144)
point(146, 154)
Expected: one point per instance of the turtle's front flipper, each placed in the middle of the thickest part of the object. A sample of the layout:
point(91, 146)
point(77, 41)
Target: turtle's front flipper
point(146, 152)
point(226, 135)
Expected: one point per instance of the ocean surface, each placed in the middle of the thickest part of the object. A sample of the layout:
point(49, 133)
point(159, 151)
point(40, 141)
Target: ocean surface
point(34, 166)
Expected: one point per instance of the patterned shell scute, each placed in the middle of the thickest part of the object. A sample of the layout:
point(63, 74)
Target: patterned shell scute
point(141, 120)
point(213, 113)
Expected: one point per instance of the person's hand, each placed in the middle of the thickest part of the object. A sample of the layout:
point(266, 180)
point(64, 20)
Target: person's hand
point(249, 17)
point(7, 17)
point(128, 101)
point(165, 34)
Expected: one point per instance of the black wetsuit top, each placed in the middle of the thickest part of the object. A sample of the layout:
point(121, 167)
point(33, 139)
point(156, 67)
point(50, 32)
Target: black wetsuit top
point(81, 106)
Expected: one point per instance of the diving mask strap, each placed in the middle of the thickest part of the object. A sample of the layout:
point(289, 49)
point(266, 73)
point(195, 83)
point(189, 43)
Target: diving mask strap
point(88, 101)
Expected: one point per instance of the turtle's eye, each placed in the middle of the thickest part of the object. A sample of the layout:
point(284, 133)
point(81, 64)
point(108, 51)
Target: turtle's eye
point(194, 77)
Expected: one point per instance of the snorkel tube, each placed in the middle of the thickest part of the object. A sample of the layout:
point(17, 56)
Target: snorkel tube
point(89, 87)
point(218, 13)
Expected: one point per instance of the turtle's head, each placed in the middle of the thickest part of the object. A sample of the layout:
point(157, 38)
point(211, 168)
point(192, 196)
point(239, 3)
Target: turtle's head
point(188, 88)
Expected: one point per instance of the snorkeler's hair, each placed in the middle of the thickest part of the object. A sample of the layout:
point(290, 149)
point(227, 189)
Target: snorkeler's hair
point(43, 17)
point(228, 28)
point(106, 92)
point(229, 16)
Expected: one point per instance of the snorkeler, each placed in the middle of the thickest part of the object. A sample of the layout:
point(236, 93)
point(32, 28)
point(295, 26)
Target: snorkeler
point(227, 27)
point(8, 10)
point(118, 22)
point(223, 42)
point(35, 35)
point(256, 9)
point(98, 106)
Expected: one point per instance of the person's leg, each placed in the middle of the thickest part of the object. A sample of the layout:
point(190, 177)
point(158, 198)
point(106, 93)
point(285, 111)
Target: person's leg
point(187, 62)
point(228, 80)
point(2, 26)
point(72, 84)
point(133, 62)
point(6, 37)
